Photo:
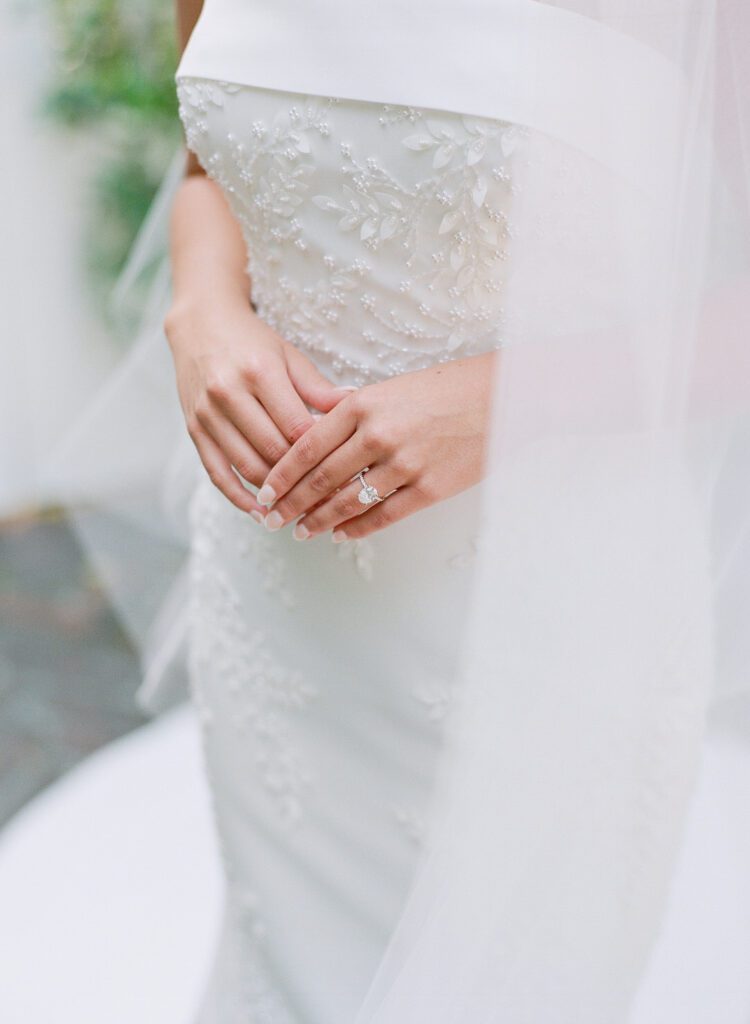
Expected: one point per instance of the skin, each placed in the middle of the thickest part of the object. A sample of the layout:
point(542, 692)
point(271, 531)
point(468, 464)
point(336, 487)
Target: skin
point(244, 390)
point(422, 434)
point(247, 394)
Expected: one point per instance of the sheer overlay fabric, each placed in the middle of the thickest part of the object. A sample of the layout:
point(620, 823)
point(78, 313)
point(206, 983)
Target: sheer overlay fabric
point(609, 607)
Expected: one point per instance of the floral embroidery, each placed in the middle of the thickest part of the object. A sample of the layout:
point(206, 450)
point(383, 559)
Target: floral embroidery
point(232, 661)
point(434, 230)
point(377, 240)
point(268, 565)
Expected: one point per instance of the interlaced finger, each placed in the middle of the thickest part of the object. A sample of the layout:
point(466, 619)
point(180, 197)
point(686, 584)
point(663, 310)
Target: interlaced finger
point(239, 452)
point(334, 472)
point(283, 404)
point(403, 503)
point(326, 435)
point(377, 485)
point(256, 425)
point(223, 477)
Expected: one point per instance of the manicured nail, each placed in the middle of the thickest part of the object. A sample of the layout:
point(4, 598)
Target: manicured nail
point(257, 516)
point(347, 387)
point(266, 495)
point(300, 531)
point(338, 536)
point(274, 521)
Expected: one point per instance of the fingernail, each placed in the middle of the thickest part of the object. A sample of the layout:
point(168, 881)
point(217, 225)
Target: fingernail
point(273, 521)
point(347, 387)
point(300, 531)
point(338, 536)
point(256, 515)
point(266, 495)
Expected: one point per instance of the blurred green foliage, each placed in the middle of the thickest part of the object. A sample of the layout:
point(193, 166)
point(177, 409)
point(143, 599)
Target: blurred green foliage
point(115, 81)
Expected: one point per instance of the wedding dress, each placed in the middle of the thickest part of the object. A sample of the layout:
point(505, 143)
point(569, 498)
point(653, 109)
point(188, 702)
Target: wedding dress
point(385, 223)
point(451, 764)
point(323, 673)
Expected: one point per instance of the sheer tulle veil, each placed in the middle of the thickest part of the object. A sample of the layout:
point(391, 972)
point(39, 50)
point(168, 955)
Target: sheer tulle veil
point(611, 601)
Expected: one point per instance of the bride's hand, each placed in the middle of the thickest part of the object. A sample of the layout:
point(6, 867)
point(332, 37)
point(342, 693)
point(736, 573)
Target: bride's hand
point(243, 391)
point(422, 434)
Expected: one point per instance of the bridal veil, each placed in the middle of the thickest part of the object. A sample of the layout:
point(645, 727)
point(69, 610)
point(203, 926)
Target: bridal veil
point(612, 596)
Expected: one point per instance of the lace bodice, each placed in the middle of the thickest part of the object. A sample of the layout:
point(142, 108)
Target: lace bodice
point(377, 235)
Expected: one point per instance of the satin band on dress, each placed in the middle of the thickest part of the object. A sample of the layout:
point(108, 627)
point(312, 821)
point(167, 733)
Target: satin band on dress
point(479, 57)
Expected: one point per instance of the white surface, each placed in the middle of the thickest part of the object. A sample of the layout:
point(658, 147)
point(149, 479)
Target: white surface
point(110, 888)
point(110, 893)
point(700, 973)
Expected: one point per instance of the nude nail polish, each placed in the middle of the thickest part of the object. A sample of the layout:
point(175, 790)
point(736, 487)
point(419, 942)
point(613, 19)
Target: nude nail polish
point(300, 532)
point(338, 536)
point(257, 516)
point(266, 495)
point(274, 521)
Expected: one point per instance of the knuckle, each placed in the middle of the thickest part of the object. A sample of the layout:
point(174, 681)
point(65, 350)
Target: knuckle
point(253, 370)
point(305, 450)
point(356, 401)
point(217, 388)
point(376, 439)
point(404, 465)
point(427, 491)
point(275, 450)
point(297, 428)
point(202, 414)
point(320, 481)
point(247, 469)
point(342, 506)
point(215, 476)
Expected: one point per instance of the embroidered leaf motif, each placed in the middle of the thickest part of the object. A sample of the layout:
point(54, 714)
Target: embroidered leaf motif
point(449, 221)
point(429, 235)
point(476, 151)
point(479, 192)
point(326, 204)
point(388, 227)
point(303, 143)
point(418, 143)
point(443, 155)
point(349, 221)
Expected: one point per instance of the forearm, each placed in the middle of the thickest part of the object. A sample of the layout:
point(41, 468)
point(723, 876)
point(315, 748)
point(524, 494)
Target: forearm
point(207, 249)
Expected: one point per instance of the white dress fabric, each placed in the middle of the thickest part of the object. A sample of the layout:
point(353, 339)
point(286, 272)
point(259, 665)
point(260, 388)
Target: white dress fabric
point(323, 673)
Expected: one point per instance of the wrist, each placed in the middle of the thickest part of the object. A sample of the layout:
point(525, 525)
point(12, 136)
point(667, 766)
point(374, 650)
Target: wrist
point(205, 309)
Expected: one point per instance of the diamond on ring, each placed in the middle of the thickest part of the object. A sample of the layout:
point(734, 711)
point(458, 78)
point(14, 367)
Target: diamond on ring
point(368, 495)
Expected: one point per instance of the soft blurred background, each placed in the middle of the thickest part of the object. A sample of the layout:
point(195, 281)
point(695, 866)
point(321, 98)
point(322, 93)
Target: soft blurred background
point(95, 885)
point(89, 125)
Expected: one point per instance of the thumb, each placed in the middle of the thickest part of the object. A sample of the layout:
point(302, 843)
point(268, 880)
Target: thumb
point(311, 385)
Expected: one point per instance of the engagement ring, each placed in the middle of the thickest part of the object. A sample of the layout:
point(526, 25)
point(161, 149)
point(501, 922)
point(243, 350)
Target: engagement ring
point(368, 495)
